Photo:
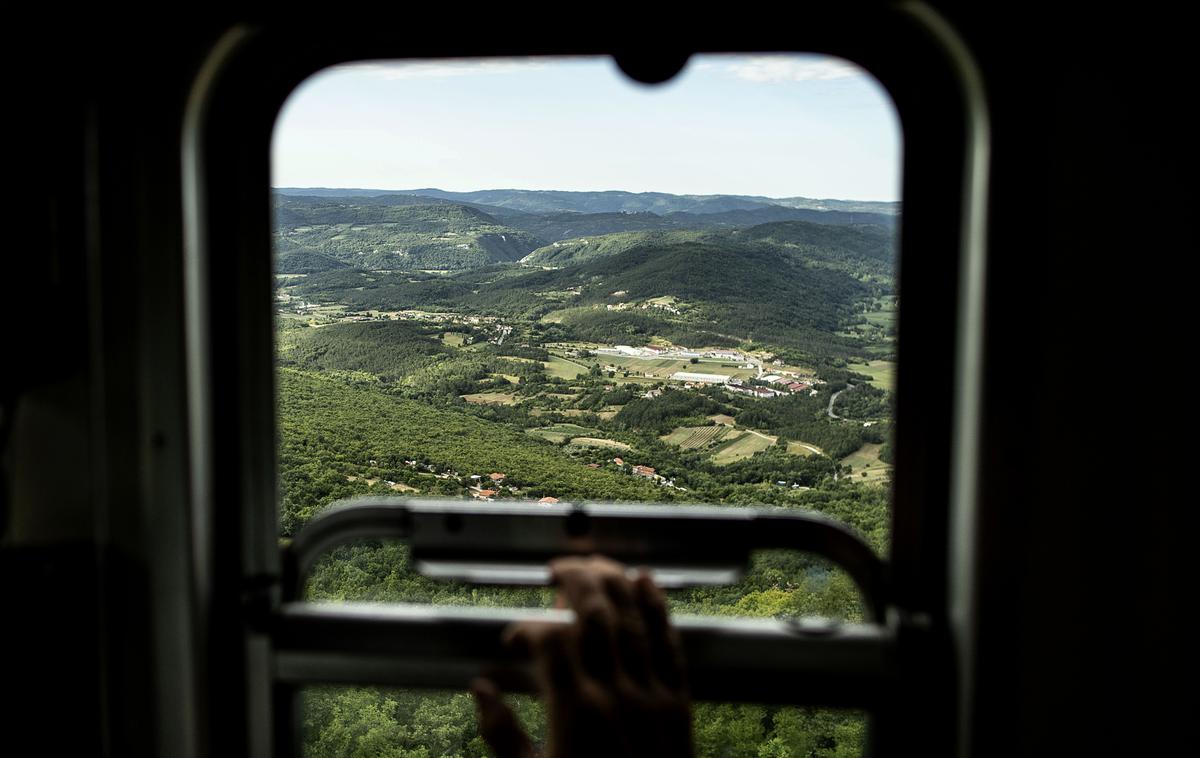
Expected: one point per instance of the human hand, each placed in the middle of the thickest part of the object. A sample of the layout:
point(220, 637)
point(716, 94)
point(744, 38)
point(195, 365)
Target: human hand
point(613, 681)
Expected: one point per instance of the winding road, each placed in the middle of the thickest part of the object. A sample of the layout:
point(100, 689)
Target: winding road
point(833, 398)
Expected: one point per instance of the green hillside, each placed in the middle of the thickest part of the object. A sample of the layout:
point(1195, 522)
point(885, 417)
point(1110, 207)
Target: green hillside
point(792, 285)
point(329, 426)
point(575, 251)
point(411, 237)
point(302, 261)
point(388, 349)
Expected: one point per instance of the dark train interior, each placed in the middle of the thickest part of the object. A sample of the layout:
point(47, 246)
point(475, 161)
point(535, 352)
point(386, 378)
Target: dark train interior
point(1046, 159)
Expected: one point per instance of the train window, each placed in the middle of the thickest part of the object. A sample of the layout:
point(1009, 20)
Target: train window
point(579, 309)
point(528, 282)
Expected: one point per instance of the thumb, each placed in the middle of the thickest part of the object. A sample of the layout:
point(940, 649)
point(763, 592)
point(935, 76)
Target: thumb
point(498, 724)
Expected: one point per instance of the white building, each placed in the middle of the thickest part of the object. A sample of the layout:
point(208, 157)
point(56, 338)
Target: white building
point(687, 376)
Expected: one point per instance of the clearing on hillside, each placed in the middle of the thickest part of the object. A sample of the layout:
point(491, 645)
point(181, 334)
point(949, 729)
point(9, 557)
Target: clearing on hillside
point(882, 373)
point(803, 449)
point(491, 398)
point(563, 368)
point(866, 459)
point(559, 433)
point(599, 442)
point(742, 447)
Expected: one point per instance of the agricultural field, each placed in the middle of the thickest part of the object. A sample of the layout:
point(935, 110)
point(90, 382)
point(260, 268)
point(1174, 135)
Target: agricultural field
point(697, 437)
point(599, 442)
point(453, 339)
point(721, 419)
point(742, 446)
point(564, 368)
point(559, 433)
point(866, 459)
point(803, 449)
point(491, 398)
point(882, 373)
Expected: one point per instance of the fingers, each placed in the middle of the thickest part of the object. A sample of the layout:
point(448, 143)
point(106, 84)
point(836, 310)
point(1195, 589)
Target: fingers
point(498, 724)
point(580, 581)
point(612, 634)
point(633, 651)
point(554, 663)
point(662, 639)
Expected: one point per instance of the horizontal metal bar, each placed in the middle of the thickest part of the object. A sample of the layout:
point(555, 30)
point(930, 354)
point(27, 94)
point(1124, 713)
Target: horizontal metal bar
point(807, 662)
point(709, 540)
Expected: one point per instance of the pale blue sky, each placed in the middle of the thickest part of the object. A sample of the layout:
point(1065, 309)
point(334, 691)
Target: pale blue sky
point(780, 125)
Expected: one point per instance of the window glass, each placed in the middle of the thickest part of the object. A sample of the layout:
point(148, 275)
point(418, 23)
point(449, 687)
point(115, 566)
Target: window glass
point(538, 281)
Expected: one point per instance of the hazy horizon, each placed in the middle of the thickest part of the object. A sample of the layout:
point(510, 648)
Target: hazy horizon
point(405, 190)
point(776, 126)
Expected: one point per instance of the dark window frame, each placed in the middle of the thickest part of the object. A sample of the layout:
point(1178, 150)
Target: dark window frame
point(229, 318)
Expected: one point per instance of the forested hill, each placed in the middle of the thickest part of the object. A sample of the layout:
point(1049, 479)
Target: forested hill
point(560, 226)
point(373, 235)
point(409, 232)
point(866, 249)
point(612, 201)
point(747, 291)
point(330, 430)
point(576, 251)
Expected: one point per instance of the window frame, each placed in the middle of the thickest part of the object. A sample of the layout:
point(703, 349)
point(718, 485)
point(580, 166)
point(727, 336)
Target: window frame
point(229, 330)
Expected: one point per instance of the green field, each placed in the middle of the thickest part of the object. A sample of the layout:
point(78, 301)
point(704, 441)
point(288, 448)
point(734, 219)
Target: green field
point(559, 433)
point(453, 339)
point(882, 373)
point(662, 368)
point(803, 449)
point(491, 398)
point(563, 368)
point(866, 458)
point(599, 442)
point(697, 437)
point(744, 446)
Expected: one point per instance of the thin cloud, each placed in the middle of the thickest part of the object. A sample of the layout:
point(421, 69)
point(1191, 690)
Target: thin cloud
point(771, 69)
point(427, 69)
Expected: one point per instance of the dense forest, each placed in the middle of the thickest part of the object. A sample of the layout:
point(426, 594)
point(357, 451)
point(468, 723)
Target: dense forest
point(395, 379)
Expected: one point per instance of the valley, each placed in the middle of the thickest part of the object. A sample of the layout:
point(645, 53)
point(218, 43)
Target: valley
point(709, 350)
point(694, 365)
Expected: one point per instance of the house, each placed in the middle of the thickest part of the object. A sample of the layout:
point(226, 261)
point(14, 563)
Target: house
point(646, 471)
point(619, 461)
point(726, 354)
point(548, 500)
point(483, 494)
point(496, 476)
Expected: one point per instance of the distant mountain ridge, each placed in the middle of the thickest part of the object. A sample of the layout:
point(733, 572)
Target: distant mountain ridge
point(319, 233)
point(611, 201)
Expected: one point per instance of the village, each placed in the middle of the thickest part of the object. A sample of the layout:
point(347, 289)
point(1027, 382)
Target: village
point(487, 487)
point(735, 370)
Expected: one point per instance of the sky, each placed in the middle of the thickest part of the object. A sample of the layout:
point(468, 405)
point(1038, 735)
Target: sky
point(774, 125)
